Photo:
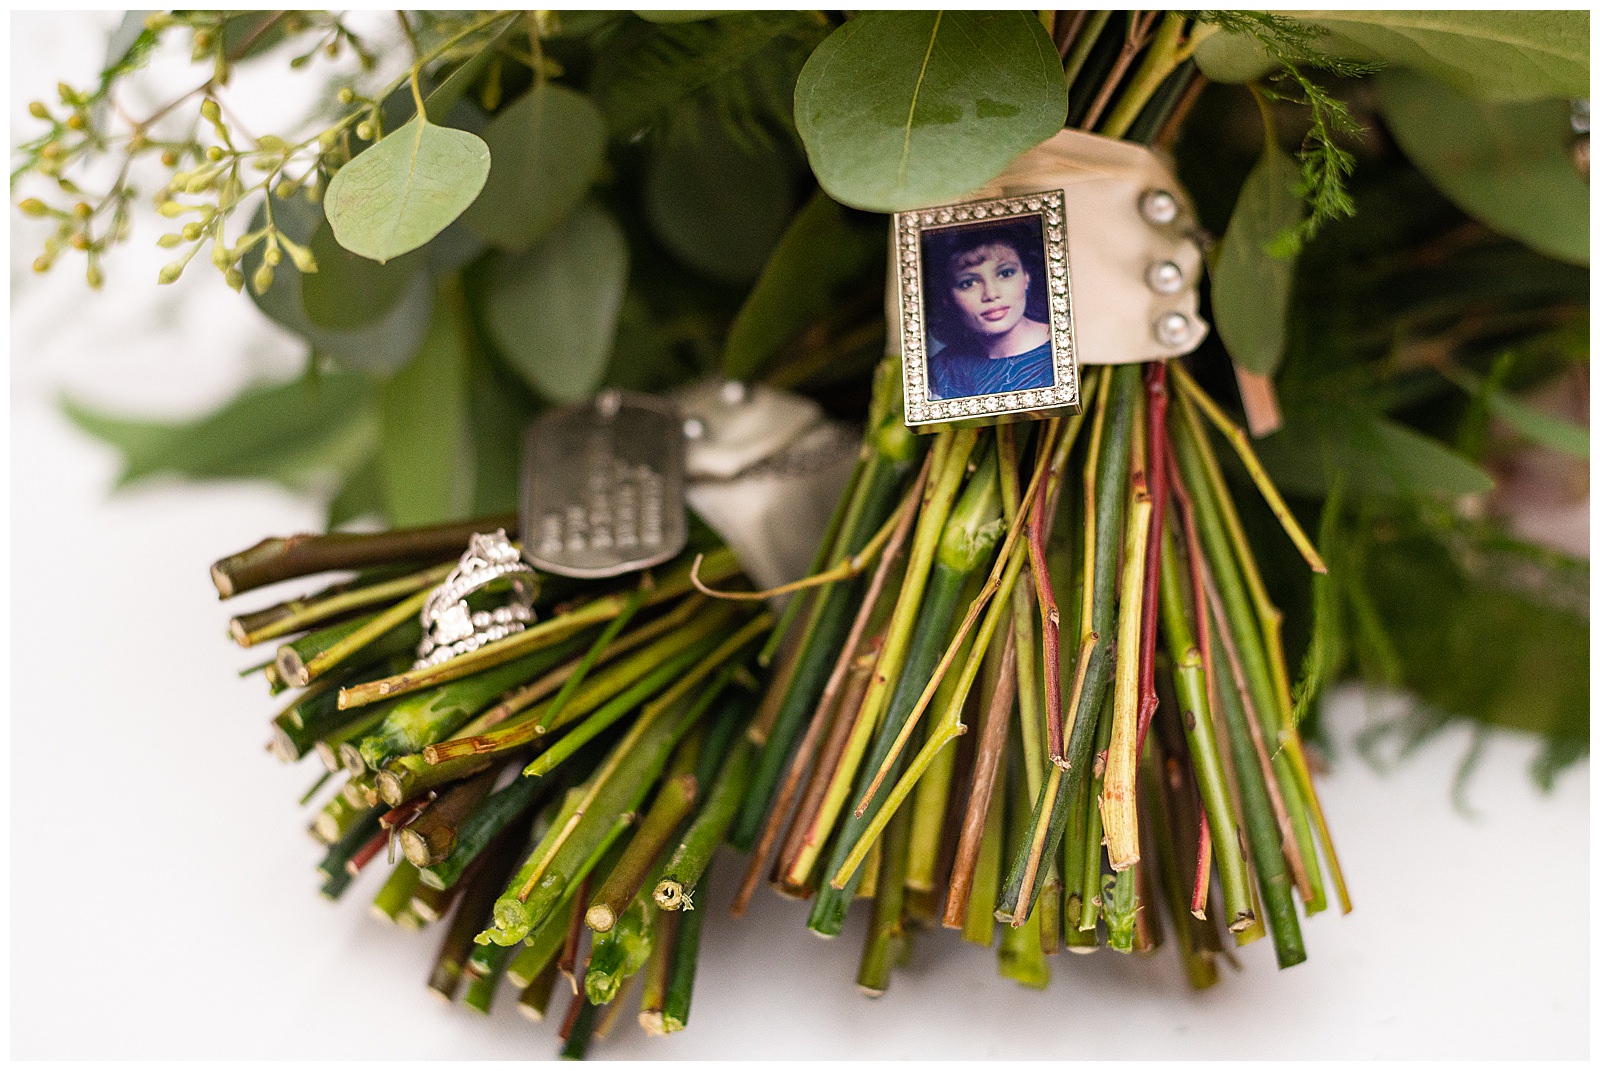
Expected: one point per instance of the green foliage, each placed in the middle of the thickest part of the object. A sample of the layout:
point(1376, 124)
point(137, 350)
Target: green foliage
point(1537, 427)
point(1480, 625)
point(736, 72)
point(1254, 44)
point(304, 434)
point(1494, 55)
point(426, 463)
point(818, 261)
point(1372, 455)
point(1253, 276)
point(1508, 165)
point(717, 207)
point(548, 147)
point(895, 113)
point(348, 292)
point(381, 345)
point(552, 311)
point(406, 189)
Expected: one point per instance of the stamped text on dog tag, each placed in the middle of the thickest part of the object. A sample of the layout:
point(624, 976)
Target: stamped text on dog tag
point(603, 487)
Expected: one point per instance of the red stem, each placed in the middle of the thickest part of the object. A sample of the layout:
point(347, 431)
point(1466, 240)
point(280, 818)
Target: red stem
point(405, 814)
point(1202, 870)
point(1049, 618)
point(567, 964)
point(1155, 384)
point(369, 851)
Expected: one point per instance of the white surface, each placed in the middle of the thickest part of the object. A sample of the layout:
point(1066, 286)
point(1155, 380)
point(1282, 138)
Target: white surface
point(162, 898)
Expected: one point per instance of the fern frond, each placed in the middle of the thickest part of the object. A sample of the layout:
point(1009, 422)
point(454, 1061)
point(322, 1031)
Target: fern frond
point(1325, 165)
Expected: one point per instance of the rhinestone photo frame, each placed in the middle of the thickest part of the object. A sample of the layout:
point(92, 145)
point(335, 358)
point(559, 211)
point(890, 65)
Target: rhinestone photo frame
point(1046, 209)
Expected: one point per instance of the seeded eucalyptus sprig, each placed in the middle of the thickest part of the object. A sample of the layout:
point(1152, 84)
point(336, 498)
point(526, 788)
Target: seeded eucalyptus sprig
point(214, 167)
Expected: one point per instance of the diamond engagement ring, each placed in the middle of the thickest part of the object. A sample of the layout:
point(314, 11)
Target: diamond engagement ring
point(450, 627)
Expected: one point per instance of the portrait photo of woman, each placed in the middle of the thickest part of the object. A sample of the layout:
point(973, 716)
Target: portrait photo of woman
point(986, 308)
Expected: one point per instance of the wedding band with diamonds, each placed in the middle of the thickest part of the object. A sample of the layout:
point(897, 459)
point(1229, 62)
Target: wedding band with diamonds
point(450, 627)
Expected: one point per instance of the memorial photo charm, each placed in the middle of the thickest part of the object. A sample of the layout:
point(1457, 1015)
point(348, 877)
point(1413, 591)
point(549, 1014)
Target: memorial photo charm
point(986, 310)
point(602, 487)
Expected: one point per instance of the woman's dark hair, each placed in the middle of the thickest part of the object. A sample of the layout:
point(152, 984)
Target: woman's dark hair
point(941, 247)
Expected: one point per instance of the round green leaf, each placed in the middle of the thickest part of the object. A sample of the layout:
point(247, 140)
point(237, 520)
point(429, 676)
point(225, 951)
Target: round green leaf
point(552, 311)
point(1253, 277)
point(405, 189)
point(348, 292)
point(382, 345)
point(909, 108)
point(548, 148)
point(1492, 55)
point(719, 209)
point(1506, 165)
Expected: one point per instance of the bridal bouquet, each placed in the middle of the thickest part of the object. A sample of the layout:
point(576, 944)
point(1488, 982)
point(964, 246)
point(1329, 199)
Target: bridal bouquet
point(1216, 352)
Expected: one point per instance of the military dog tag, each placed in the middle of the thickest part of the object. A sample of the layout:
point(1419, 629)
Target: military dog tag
point(603, 487)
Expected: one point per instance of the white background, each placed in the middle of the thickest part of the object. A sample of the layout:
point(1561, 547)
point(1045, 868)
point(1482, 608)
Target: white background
point(163, 901)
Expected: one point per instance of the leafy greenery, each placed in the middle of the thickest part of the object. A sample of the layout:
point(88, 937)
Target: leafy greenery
point(1253, 275)
point(1508, 165)
point(1288, 47)
point(666, 196)
point(1524, 54)
point(548, 147)
point(552, 311)
point(403, 191)
point(304, 434)
point(895, 114)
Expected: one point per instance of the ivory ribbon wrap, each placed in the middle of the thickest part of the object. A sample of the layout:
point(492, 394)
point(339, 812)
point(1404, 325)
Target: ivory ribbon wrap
point(1110, 246)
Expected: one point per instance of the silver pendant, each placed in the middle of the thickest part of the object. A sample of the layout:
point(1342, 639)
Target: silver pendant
point(603, 487)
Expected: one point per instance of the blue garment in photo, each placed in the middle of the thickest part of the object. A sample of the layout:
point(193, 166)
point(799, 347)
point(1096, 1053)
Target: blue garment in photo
point(953, 373)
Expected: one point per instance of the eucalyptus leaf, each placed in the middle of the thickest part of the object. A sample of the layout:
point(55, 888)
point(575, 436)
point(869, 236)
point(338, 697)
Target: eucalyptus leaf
point(548, 148)
point(1507, 165)
point(1370, 454)
point(1233, 58)
point(718, 208)
point(347, 292)
point(1523, 54)
point(305, 434)
point(817, 260)
point(380, 346)
point(905, 109)
point(407, 188)
point(426, 464)
point(1253, 278)
point(552, 311)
